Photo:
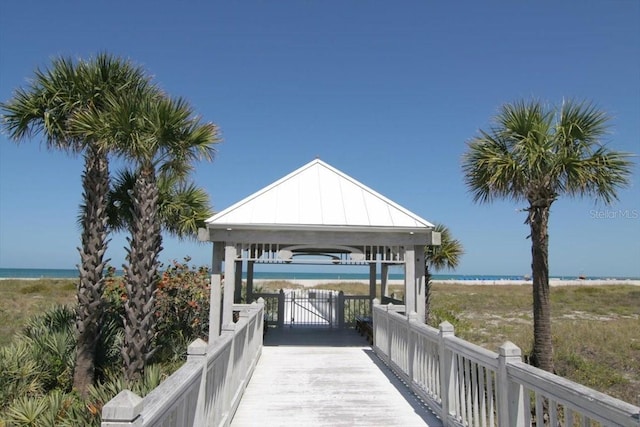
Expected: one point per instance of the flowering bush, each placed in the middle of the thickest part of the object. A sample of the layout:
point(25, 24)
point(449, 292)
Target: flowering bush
point(182, 305)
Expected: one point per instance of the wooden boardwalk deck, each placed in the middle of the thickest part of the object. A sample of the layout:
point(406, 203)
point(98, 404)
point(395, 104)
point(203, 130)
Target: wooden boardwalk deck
point(326, 377)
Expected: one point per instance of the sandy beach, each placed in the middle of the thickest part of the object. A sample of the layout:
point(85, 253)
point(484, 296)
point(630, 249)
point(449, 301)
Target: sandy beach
point(308, 283)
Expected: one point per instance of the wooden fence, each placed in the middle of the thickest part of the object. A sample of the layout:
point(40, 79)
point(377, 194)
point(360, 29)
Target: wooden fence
point(207, 389)
point(470, 386)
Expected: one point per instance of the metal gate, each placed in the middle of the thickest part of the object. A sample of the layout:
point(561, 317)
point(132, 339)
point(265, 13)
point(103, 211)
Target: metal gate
point(315, 307)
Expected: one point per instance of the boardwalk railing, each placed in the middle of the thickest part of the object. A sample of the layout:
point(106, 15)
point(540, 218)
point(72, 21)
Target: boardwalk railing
point(207, 389)
point(468, 385)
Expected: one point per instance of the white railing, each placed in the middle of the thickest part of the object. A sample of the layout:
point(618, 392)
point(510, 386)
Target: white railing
point(207, 389)
point(468, 385)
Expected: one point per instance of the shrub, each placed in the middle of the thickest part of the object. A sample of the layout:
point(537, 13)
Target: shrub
point(182, 309)
point(36, 370)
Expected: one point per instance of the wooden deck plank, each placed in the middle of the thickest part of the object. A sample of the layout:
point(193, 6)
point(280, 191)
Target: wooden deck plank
point(326, 378)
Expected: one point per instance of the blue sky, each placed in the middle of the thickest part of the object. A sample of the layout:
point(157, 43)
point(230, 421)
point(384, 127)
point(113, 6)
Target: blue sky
point(387, 92)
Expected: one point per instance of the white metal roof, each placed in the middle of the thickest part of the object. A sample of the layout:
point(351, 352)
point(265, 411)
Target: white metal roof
point(317, 196)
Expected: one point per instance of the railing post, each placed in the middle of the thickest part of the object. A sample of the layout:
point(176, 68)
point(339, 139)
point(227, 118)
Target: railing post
point(340, 309)
point(445, 359)
point(229, 386)
point(510, 394)
point(389, 333)
point(375, 321)
point(123, 410)
point(411, 345)
point(260, 326)
point(197, 352)
point(281, 309)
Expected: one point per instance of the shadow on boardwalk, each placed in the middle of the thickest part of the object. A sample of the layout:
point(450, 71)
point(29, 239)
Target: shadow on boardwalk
point(314, 336)
point(326, 377)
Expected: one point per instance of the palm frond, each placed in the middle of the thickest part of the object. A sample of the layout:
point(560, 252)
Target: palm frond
point(537, 153)
point(446, 256)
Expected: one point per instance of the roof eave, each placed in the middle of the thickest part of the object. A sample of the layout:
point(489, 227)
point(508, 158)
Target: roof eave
point(312, 227)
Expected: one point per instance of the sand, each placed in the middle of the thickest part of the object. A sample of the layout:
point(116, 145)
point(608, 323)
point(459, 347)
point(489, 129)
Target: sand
point(307, 283)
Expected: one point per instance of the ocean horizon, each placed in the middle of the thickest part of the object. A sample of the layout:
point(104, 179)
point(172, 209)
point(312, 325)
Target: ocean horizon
point(56, 273)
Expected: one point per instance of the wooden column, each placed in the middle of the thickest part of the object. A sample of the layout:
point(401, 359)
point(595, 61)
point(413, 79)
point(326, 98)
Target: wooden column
point(372, 285)
point(421, 292)
point(384, 277)
point(237, 293)
point(250, 265)
point(215, 307)
point(230, 255)
point(409, 279)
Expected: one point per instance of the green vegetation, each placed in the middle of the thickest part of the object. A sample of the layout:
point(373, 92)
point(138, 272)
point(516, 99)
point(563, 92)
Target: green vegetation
point(595, 338)
point(105, 107)
point(37, 362)
point(20, 300)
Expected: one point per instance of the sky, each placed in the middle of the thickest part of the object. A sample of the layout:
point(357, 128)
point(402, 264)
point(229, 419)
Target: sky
point(387, 92)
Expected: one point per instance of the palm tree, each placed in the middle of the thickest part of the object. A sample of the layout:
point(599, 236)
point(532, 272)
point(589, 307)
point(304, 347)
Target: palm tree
point(437, 258)
point(535, 154)
point(49, 106)
point(183, 207)
point(162, 138)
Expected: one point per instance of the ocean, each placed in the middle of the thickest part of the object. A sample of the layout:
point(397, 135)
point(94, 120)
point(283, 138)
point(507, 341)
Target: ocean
point(50, 273)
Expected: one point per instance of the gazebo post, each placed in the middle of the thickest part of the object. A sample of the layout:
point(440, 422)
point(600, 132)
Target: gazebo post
point(250, 265)
point(230, 255)
point(237, 293)
point(384, 276)
point(409, 279)
point(215, 305)
point(372, 285)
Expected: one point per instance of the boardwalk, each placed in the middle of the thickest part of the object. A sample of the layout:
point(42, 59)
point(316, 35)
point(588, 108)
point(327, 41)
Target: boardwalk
point(326, 377)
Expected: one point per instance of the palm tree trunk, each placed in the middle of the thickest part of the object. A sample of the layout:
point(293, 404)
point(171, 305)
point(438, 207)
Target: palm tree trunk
point(542, 355)
point(141, 275)
point(427, 292)
point(89, 310)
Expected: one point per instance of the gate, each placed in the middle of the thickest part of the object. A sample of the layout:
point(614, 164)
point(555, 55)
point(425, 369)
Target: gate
point(316, 307)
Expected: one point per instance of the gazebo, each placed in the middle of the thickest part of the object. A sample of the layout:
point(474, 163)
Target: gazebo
point(320, 211)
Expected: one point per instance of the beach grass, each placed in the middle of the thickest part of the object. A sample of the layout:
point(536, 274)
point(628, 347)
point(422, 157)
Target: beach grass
point(596, 329)
point(23, 299)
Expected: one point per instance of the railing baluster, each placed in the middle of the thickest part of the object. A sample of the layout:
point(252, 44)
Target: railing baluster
point(490, 399)
point(539, 408)
point(482, 395)
point(553, 413)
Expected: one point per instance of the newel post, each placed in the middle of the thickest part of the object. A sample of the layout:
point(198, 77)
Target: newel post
point(510, 394)
point(447, 371)
point(376, 321)
point(390, 337)
point(411, 344)
point(123, 410)
point(197, 352)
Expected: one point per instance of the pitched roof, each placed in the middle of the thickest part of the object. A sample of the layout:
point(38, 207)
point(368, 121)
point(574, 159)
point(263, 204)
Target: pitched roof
point(317, 196)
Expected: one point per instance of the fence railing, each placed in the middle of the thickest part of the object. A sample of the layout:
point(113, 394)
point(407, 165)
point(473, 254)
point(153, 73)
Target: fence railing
point(471, 386)
point(207, 389)
point(347, 309)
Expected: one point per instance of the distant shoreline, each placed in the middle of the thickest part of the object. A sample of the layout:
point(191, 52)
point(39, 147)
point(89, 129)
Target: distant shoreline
point(552, 282)
point(308, 279)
